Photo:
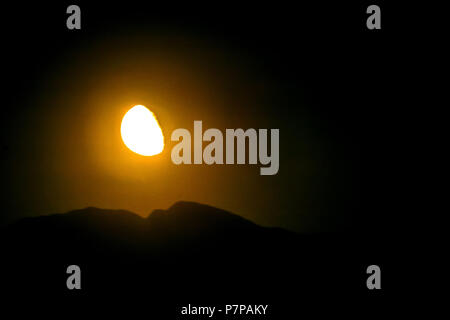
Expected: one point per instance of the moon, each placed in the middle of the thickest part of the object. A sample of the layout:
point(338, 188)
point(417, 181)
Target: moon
point(141, 131)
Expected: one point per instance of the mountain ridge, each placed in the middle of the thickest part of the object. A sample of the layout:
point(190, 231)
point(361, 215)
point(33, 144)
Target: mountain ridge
point(198, 249)
point(190, 214)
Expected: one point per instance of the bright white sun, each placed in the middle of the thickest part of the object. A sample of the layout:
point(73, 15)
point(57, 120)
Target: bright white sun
point(141, 131)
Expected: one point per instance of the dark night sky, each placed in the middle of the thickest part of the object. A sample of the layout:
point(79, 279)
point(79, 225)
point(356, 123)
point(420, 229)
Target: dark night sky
point(313, 71)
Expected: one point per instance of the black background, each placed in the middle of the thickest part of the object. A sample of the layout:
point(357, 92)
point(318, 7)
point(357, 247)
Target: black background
point(345, 74)
point(360, 70)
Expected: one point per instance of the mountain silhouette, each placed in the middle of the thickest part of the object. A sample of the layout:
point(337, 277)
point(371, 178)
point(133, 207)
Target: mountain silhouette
point(94, 229)
point(189, 252)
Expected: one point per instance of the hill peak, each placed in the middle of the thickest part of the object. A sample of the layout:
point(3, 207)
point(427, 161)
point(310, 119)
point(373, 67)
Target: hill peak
point(193, 214)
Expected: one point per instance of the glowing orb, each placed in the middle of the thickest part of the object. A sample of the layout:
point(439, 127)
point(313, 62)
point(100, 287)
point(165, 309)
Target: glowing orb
point(141, 132)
